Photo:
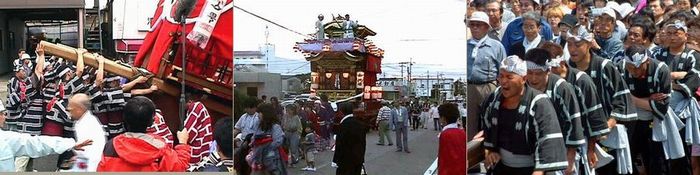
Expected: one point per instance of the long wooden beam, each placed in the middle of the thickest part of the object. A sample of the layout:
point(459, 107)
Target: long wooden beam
point(71, 54)
point(475, 153)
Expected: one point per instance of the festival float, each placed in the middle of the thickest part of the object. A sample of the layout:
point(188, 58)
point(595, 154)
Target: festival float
point(207, 46)
point(344, 64)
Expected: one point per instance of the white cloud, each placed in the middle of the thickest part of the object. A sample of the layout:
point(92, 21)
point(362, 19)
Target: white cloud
point(430, 32)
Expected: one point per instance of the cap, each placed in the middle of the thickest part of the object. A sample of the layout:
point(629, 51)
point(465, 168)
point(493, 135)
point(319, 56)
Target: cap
point(581, 34)
point(481, 17)
point(609, 11)
point(625, 9)
point(569, 20)
point(678, 24)
point(25, 56)
point(515, 65)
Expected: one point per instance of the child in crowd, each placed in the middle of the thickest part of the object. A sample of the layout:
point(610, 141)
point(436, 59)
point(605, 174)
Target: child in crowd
point(308, 146)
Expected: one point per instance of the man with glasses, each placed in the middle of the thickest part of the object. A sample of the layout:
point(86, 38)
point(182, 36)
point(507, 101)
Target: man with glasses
point(515, 28)
point(682, 61)
point(531, 27)
point(495, 11)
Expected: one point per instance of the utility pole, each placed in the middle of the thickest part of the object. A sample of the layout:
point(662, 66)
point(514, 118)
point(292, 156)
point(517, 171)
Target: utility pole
point(408, 64)
point(267, 49)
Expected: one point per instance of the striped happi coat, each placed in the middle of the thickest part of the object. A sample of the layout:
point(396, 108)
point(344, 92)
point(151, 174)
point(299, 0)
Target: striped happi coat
point(658, 81)
point(611, 89)
point(160, 128)
point(686, 62)
point(199, 127)
point(536, 124)
point(593, 119)
point(566, 106)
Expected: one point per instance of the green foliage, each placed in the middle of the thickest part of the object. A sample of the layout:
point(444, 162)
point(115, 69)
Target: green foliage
point(239, 101)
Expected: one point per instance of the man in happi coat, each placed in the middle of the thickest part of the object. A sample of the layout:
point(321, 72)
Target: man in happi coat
point(611, 89)
point(563, 98)
point(521, 131)
point(593, 121)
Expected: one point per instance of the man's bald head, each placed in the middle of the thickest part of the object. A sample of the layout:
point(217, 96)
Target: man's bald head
point(78, 105)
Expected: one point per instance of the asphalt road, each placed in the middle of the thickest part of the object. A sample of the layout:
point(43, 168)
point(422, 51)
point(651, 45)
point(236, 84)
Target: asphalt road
point(423, 144)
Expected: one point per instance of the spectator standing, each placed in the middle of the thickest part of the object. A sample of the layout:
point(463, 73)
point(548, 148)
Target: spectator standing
point(383, 117)
point(292, 131)
point(452, 150)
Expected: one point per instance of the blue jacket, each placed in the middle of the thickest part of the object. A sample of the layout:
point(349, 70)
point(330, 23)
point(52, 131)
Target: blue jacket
point(515, 33)
point(403, 114)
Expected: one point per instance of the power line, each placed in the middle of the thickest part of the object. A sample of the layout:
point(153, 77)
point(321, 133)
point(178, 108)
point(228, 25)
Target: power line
point(297, 68)
point(265, 19)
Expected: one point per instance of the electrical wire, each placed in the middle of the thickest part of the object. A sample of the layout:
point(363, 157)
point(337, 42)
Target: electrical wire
point(270, 21)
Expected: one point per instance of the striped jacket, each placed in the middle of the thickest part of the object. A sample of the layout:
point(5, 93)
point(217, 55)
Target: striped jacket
point(536, 129)
point(198, 125)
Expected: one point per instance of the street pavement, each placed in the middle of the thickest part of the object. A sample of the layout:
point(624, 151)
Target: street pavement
point(423, 144)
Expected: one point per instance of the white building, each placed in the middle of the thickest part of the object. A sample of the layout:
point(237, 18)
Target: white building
point(249, 61)
point(423, 87)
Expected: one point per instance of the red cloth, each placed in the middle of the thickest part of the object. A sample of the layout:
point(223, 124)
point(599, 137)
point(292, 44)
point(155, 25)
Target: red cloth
point(139, 155)
point(217, 52)
point(160, 128)
point(313, 119)
point(452, 152)
point(198, 125)
point(374, 64)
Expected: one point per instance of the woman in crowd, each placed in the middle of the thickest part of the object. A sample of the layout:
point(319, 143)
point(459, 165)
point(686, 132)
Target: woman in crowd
point(266, 155)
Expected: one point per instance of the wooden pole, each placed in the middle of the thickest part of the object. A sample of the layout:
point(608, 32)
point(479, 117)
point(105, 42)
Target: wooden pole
point(70, 54)
point(475, 153)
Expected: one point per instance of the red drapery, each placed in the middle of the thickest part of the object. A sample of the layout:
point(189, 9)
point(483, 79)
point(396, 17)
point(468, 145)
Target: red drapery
point(217, 53)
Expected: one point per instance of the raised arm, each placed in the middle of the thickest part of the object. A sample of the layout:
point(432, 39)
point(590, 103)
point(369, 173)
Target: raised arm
point(100, 74)
point(40, 61)
point(80, 65)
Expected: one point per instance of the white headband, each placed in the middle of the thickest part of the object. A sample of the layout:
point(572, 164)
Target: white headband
point(515, 65)
point(534, 66)
point(637, 59)
point(555, 62)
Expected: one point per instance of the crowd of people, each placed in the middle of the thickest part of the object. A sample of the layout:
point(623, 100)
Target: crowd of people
point(585, 87)
point(270, 142)
point(289, 133)
point(53, 103)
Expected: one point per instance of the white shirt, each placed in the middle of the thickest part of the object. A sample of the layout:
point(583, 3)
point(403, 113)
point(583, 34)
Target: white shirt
point(88, 127)
point(15, 144)
point(247, 123)
point(434, 112)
